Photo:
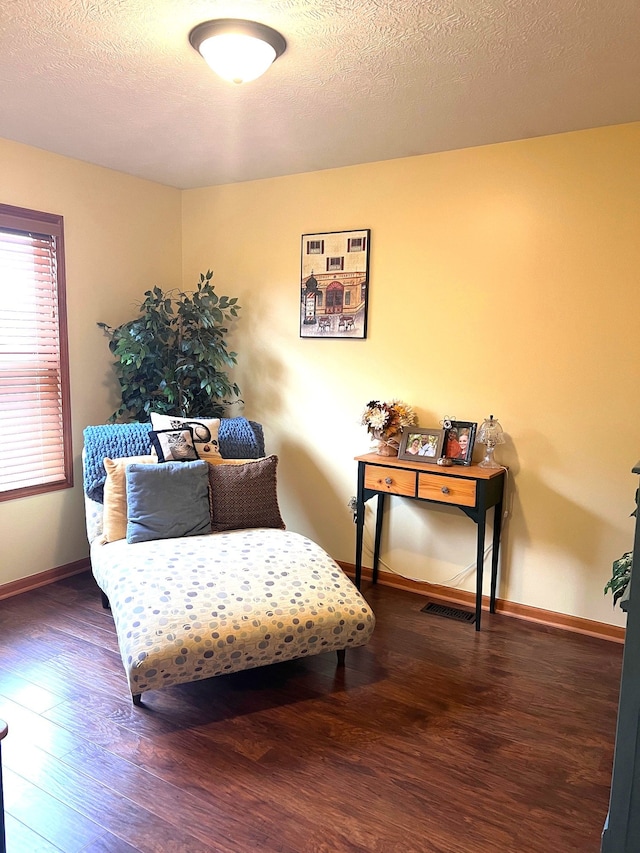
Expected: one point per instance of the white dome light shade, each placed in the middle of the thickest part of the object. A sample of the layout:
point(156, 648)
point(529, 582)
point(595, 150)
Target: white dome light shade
point(237, 58)
point(238, 51)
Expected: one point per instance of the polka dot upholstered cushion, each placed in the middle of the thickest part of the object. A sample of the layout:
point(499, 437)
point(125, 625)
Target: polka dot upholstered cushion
point(191, 608)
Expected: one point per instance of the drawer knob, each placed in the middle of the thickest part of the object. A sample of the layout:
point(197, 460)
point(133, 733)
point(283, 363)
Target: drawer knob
point(388, 481)
point(445, 490)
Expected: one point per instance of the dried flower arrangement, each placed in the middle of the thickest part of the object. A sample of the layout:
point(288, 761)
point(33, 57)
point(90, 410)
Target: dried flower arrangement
point(384, 420)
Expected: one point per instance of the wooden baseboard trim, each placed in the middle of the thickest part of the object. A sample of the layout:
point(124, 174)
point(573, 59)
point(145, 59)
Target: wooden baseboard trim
point(439, 593)
point(575, 624)
point(12, 588)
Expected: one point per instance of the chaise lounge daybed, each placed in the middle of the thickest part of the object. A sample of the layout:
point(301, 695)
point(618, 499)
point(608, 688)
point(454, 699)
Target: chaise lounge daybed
point(189, 607)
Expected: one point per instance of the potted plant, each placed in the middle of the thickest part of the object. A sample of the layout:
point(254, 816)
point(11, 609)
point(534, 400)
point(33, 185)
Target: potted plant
point(171, 358)
point(619, 580)
point(621, 575)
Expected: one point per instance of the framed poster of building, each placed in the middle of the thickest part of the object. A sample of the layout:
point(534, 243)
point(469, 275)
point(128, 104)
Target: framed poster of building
point(334, 284)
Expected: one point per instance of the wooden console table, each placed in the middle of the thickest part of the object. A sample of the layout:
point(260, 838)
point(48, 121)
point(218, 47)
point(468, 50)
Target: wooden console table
point(470, 488)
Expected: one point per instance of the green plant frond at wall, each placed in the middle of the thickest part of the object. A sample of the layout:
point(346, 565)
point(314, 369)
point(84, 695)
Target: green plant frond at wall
point(172, 358)
point(621, 576)
point(622, 567)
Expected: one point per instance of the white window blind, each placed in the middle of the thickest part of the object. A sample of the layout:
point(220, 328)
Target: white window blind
point(35, 434)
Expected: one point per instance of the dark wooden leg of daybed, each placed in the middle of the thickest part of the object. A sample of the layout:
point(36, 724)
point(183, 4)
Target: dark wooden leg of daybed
point(341, 656)
point(105, 601)
point(137, 699)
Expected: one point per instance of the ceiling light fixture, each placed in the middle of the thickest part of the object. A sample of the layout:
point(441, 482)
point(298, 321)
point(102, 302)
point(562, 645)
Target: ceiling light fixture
point(237, 50)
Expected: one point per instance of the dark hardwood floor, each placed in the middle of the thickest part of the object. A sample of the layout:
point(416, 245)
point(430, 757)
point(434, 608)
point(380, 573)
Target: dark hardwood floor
point(433, 739)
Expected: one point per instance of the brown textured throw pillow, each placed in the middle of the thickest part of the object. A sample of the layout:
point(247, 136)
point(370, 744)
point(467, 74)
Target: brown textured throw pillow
point(244, 495)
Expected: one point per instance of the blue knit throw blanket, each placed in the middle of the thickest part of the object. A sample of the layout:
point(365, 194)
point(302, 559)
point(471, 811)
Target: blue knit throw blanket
point(238, 438)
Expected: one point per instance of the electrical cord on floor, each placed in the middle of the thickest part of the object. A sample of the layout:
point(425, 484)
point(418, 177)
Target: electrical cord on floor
point(506, 497)
point(456, 580)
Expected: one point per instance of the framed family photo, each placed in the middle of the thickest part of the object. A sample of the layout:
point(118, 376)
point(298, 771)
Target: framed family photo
point(334, 284)
point(459, 440)
point(421, 445)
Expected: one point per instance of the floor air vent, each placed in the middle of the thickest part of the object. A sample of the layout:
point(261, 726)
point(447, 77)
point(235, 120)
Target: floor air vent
point(449, 612)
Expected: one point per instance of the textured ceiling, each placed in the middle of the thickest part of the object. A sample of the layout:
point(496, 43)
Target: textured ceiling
point(116, 83)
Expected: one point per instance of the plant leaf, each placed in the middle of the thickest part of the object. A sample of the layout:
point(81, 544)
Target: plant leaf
point(168, 358)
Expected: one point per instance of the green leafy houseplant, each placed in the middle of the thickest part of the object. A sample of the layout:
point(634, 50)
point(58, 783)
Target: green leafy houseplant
point(171, 359)
point(621, 575)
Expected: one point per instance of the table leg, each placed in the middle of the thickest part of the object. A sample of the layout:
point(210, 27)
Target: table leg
point(359, 530)
point(359, 523)
point(376, 550)
point(480, 566)
point(497, 526)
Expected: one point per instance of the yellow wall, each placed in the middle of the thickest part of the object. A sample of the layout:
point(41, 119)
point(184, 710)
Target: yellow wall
point(504, 280)
point(121, 236)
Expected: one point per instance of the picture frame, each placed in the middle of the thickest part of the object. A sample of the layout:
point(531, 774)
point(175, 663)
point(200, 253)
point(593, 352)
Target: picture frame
point(460, 455)
point(334, 284)
point(428, 448)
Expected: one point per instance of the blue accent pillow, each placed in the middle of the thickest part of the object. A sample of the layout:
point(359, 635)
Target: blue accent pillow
point(167, 501)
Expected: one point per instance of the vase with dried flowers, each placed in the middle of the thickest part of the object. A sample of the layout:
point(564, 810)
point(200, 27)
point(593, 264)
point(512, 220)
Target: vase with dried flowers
point(384, 422)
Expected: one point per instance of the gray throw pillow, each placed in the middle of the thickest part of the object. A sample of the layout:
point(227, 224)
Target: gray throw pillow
point(167, 501)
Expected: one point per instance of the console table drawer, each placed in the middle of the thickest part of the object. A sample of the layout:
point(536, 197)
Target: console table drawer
point(451, 490)
point(392, 480)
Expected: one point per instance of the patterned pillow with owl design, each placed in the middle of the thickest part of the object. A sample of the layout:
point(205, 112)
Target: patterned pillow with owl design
point(174, 445)
point(204, 430)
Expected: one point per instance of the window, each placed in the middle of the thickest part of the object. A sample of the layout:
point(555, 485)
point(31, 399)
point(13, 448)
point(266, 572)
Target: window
point(315, 247)
point(35, 421)
point(334, 264)
point(356, 244)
